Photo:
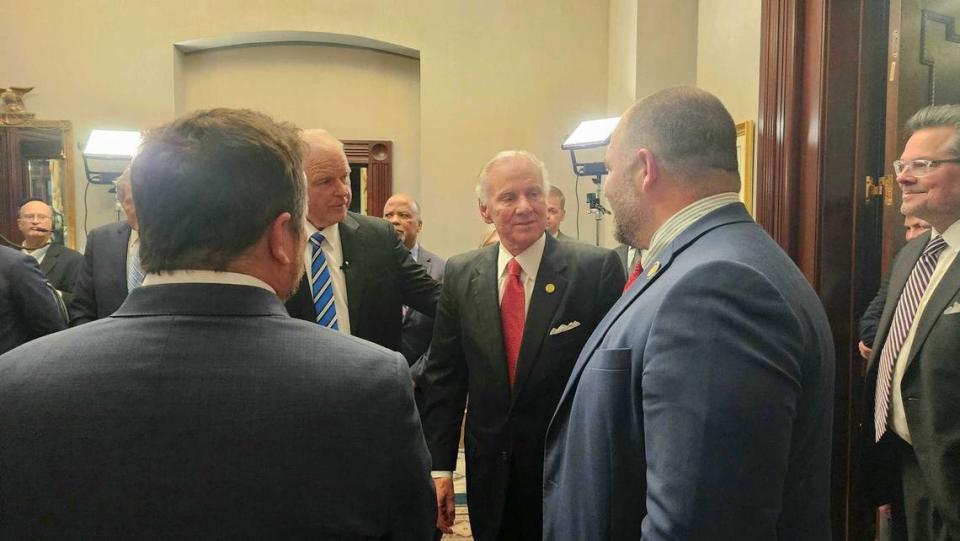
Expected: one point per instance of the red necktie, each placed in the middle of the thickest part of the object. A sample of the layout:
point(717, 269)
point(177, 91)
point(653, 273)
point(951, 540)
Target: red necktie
point(637, 269)
point(512, 317)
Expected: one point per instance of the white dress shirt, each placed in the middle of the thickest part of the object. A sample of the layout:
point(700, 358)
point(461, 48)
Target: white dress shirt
point(529, 260)
point(898, 418)
point(39, 253)
point(188, 276)
point(333, 251)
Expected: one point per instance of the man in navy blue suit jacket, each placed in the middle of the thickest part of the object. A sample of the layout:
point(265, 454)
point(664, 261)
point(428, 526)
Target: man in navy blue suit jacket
point(200, 409)
point(701, 406)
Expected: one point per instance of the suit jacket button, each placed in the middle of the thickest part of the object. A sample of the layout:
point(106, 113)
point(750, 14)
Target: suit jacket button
point(504, 456)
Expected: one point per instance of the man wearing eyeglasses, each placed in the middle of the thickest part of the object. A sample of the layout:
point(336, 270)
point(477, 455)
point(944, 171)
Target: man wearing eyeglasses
point(912, 436)
point(60, 264)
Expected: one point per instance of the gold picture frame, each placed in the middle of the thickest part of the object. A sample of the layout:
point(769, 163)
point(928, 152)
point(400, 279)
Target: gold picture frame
point(745, 162)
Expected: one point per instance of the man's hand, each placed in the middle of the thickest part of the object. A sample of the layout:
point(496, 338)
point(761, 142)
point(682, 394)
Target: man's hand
point(446, 512)
point(864, 350)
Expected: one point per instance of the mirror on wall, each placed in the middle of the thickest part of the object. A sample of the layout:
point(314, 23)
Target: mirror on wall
point(36, 160)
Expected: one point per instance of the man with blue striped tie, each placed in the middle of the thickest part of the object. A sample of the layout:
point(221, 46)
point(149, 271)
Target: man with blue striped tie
point(358, 273)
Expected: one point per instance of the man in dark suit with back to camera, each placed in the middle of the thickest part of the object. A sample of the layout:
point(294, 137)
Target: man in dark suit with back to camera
point(912, 425)
point(60, 264)
point(511, 319)
point(111, 263)
point(200, 409)
point(702, 406)
point(403, 213)
point(358, 274)
point(28, 304)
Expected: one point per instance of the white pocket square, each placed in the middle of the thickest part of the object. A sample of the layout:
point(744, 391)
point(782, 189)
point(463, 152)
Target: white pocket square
point(564, 328)
point(952, 309)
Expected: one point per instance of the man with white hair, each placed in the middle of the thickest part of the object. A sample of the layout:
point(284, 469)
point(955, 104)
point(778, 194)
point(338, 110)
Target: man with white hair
point(59, 263)
point(358, 273)
point(511, 320)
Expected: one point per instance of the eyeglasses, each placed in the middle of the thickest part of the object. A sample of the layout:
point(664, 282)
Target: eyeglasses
point(32, 217)
point(920, 168)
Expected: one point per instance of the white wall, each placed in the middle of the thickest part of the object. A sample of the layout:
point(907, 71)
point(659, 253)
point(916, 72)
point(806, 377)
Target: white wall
point(352, 93)
point(493, 75)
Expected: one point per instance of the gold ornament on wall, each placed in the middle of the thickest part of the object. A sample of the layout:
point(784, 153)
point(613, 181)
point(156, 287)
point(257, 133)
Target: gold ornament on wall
point(12, 109)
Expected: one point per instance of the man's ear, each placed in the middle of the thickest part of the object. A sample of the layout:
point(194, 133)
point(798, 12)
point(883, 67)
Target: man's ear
point(485, 213)
point(647, 174)
point(281, 239)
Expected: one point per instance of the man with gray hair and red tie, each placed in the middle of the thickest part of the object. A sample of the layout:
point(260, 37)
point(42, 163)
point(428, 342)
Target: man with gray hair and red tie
point(511, 319)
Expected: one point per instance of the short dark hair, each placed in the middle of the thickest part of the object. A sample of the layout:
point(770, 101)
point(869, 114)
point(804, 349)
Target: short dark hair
point(937, 116)
point(209, 184)
point(685, 127)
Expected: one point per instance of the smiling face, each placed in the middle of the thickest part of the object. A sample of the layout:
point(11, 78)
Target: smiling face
point(515, 203)
point(934, 197)
point(328, 185)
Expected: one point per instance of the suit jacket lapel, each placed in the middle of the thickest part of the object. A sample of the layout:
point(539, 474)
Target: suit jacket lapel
point(118, 256)
point(354, 273)
point(49, 260)
point(543, 306)
point(939, 300)
point(898, 280)
point(723, 216)
point(484, 286)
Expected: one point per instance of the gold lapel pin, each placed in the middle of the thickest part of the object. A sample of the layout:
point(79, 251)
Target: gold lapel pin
point(550, 288)
point(653, 269)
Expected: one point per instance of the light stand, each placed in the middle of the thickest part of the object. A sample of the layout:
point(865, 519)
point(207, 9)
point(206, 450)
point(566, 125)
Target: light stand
point(591, 134)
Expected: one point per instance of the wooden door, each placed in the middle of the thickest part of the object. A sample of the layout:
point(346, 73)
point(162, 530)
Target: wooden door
point(923, 68)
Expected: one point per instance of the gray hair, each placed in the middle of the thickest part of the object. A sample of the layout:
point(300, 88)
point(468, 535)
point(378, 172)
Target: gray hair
point(483, 180)
point(687, 128)
point(937, 116)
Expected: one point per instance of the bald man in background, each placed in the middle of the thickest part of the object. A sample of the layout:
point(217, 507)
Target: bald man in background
point(403, 213)
point(60, 264)
point(358, 273)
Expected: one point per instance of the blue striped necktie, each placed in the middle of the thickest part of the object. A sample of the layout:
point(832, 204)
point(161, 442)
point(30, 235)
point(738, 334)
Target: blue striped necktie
point(322, 286)
point(134, 270)
point(906, 312)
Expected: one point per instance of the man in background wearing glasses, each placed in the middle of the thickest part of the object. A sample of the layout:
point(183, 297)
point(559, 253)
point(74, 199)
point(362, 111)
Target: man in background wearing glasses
point(912, 436)
point(60, 264)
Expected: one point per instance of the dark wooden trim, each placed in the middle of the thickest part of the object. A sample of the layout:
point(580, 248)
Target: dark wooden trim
point(378, 157)
point(820, 89)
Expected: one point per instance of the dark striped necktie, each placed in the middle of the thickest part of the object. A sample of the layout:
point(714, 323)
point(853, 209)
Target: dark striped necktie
point(900, 328)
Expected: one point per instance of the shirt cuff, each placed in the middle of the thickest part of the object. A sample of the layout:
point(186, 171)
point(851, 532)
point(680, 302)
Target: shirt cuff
point(441, 474)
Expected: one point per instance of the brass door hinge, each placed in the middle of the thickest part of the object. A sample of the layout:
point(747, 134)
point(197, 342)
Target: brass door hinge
point(883, 186)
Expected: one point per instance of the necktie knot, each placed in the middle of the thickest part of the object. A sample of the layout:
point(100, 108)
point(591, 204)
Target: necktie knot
point(514, 268)
point(317, 239)
point(934, 247)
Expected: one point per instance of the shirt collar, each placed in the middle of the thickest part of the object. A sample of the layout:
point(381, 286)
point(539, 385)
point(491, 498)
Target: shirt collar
point(415, 252)
point(191, 276)
point(529, 259)
point(951, 236)
point(683, 219)
point(331, 234)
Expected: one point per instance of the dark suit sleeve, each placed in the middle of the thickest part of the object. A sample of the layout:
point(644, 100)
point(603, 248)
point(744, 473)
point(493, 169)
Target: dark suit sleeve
point(37, 300)
point(444, 380)
point(871, 316)
point(610, 285)
point(83, 306)
point(412, 494)
point(419, 290)
point(720, 388)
